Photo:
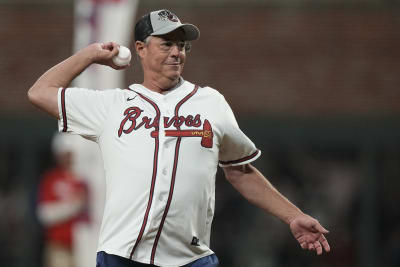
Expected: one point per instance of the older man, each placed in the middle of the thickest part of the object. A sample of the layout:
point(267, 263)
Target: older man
point(161, 142)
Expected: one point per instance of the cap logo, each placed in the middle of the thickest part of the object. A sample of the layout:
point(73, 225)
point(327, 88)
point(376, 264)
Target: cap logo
point(166, 14)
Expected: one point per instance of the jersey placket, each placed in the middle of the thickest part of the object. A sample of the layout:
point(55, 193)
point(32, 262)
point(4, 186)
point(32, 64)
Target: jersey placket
point(168, 157)
point(167, 161)
point(163, 180)
point(146, 235)
point(174, 169)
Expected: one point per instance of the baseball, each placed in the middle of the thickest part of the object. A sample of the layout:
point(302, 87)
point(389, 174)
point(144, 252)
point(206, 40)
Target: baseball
point(123, 58)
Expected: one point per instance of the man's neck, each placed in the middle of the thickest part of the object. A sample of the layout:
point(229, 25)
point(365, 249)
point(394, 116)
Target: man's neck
point(160, 85)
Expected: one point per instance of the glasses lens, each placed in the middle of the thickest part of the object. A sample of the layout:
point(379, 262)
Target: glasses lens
point(188, 46)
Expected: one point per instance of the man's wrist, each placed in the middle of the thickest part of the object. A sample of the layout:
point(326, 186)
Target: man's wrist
point(87, 55)
point(292, 216)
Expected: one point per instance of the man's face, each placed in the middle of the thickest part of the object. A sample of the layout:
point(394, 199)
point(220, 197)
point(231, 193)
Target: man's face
point(164, 56)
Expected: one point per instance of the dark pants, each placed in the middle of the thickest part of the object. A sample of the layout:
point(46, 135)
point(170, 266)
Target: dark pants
point(109, 260)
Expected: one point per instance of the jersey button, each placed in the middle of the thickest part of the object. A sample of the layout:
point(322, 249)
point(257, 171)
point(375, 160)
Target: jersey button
point(164, 171)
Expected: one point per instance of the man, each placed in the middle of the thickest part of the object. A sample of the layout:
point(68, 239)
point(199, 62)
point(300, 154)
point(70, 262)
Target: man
point(161, 142)
point(62, 202)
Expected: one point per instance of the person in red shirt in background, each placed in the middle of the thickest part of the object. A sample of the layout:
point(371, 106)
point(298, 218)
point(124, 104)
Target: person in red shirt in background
point(62, 202)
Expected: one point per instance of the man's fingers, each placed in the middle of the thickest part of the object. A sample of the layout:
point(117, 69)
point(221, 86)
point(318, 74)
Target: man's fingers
point(110, 50)
point(324, 243)
point(115, 49)
point(302, 239)
point(320, 229)
point(318, 247)
point(309, 238)
point(107, 46)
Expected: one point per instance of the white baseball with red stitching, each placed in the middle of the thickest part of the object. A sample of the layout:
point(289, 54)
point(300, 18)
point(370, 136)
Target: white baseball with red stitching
point(124, 56)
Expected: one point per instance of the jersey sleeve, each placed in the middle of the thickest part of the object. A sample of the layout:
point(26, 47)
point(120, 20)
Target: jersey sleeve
point(235, 148)
point(83, 111)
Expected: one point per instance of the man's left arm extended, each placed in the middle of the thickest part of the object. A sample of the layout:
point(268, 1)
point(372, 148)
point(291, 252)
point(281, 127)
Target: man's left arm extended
point(250, 183)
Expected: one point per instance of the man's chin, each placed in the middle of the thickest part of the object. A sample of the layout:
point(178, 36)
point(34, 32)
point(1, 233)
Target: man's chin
point(173, 75)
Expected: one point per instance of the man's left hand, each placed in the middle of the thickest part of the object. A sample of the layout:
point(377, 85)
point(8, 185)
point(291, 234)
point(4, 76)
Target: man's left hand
point(309, 233)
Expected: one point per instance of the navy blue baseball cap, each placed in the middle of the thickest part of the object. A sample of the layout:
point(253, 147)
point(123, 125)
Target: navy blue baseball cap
point(161, 22)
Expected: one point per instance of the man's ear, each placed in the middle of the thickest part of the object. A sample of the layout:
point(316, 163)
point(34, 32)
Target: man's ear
point(140, 48)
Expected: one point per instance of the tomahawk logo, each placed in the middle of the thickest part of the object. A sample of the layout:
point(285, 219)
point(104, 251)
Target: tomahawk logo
point(166, 14)
point(134, 120)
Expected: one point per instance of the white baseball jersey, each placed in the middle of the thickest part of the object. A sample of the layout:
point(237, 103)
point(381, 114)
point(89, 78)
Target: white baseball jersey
point(160, 153)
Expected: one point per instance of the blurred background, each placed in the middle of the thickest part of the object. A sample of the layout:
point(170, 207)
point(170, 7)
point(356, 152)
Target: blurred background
point(315, 84)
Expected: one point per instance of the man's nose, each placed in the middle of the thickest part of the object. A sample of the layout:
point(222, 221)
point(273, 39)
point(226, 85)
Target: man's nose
point(175, 50)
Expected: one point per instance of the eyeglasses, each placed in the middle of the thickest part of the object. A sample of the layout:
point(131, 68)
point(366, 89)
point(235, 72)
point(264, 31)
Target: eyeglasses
point(166, 46)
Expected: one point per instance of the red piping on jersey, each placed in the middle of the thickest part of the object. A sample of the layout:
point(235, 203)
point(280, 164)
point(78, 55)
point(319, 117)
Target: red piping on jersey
point(153, 179)
point(240, 160)
point(64, 114)
point(171, 190)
